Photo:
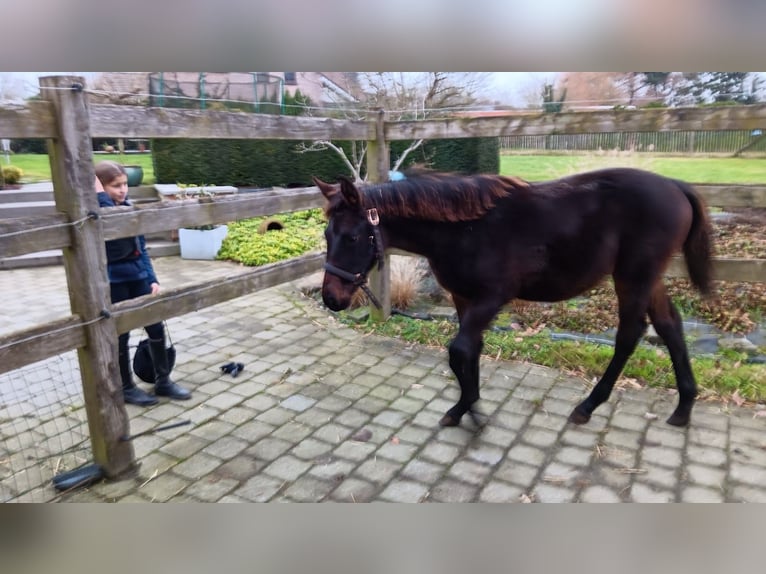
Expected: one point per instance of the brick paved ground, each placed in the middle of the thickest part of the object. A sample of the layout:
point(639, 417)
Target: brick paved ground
point(323, 414)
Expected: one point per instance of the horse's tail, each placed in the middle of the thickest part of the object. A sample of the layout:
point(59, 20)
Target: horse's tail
point(698, 246)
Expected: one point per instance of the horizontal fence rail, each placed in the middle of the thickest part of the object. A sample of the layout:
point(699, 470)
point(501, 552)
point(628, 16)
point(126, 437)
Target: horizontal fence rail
point(40, 342)
point(32, 234)
point(35, 120)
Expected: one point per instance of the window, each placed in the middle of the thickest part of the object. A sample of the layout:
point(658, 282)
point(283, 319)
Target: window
point(291, 78)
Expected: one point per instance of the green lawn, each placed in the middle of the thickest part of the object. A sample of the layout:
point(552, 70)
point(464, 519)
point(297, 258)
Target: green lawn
point(691, 169)
point(529, 167)
point(36, 166)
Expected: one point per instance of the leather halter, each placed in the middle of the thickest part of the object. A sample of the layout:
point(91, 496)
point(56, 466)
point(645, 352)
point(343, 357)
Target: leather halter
point(360, 279)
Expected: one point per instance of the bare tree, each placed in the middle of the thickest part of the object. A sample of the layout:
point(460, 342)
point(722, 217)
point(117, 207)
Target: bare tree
point(13, 86)
point(403, 96)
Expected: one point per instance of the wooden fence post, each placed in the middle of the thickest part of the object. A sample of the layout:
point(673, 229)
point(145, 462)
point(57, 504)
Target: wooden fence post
point(72, 170)
point(377, 171)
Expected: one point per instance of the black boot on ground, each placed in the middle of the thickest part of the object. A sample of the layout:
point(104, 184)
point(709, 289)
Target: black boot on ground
point(163, 385)
point(130, 392)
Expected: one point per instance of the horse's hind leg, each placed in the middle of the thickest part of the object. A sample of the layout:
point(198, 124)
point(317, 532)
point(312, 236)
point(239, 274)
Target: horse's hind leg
point(464, 353)
point(633, 303)
point(667, 323)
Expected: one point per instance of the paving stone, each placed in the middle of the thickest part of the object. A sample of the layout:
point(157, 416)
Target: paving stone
point(309, 489)
point(452, 491)
point(211, 488)
point(352, 418)
point(527, 454)
point(579, 436)
point(486, 454)
point(268, 449)
point(239, 468)
point(520, 474)
point(399, 452)
point(287, 468)
point(404, 491)
point(747, 474)
point(746, 493)
point(415, 434)
point(376, 471)
point(163, 487)
point(641, 492)
point(310, 448)
point(259, 488)
point(253, 431)
point(440, 453)
point(630, 422)
point(423, 471)
point(599, 493)
point(469, 472)
point(298, 403)
point(574, 455)
point(226, 447)
point(197, 466)
point(538, 437)
point(501, 492)
point(701, 494)
point(663, 456)
point(355, 451)
point(553, 493)
point(702, 475)
point(660, 476)
point(354, 490)
point(625, 439)
point(332, 433)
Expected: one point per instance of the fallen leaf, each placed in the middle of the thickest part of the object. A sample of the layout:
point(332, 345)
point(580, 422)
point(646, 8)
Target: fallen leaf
point(526, 499)
point(651, 416)
point(395, 440)
point(416, 386)
point(362, 436)
point(759, 414)
point(737, 398)
point(632, 470)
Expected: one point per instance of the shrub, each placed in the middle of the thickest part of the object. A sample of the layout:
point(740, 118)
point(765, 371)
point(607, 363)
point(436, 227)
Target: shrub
point(301, 232)
point(406, 278)
point(12, 174)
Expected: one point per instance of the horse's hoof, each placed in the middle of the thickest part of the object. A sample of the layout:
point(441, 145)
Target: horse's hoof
point(678, 420)
point(578, 417)
point(448, 421)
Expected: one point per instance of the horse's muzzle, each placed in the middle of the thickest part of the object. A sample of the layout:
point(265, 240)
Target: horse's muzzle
point(335, 295)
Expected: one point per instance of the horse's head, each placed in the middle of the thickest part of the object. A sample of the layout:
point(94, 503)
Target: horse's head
point(353, 243)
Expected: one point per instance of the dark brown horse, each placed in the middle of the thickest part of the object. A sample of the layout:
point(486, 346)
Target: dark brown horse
point(490, 239)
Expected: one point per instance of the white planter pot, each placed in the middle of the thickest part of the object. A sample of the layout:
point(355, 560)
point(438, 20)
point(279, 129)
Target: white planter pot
point(201, 244)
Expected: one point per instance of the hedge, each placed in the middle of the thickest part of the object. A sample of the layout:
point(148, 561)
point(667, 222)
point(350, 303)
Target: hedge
point(267, 163)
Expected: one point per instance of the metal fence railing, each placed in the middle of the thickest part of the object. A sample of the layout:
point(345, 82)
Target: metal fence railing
point(726, 141)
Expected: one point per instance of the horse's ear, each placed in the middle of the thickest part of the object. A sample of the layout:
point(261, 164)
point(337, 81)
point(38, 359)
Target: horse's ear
point(349, 191)
point(327, 189)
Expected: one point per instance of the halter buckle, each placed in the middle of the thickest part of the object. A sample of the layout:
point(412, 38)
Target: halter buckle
point(372, 216)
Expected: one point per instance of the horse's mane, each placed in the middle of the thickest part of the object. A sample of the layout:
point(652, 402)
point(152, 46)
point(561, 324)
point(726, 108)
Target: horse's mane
point(437, 196)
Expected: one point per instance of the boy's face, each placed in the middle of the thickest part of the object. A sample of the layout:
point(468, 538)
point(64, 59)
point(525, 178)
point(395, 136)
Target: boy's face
point(117, 189)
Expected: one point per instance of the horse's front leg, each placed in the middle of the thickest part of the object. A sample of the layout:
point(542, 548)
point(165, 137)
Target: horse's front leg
point(464, 353)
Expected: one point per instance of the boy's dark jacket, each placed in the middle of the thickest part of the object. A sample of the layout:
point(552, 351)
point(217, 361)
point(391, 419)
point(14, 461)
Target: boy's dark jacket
point(127, 259)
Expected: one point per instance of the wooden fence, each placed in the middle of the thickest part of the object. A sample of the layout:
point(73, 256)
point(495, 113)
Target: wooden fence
point(79, 227)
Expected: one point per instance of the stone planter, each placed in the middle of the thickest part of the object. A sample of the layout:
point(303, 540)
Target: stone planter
point(135, 175)
point(201, 243)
